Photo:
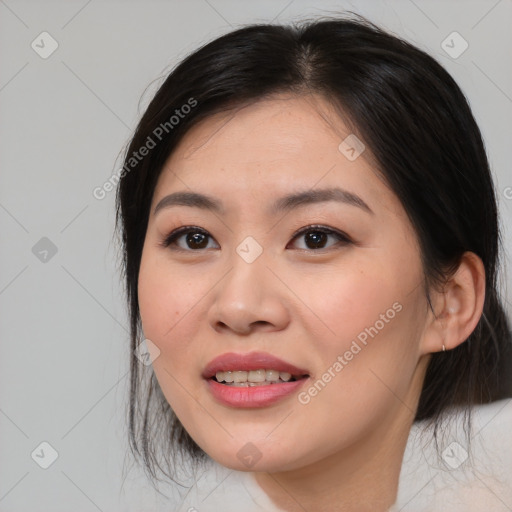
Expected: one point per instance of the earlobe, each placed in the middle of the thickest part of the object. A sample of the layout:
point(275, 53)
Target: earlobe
point(458, 307)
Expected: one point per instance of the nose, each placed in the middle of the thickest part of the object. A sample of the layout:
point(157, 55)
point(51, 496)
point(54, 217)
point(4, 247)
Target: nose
point(248, 299)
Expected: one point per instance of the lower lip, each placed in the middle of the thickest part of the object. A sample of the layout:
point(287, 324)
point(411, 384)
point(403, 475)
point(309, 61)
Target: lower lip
point(253, 396)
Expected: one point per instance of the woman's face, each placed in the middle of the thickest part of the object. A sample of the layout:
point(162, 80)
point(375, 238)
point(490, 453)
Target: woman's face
point(278, 274)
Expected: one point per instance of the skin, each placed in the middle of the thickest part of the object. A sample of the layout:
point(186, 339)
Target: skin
point(342, 450)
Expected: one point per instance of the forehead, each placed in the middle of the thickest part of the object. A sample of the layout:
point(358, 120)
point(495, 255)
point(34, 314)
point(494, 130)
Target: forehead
point(281, 126)
point(270, 147)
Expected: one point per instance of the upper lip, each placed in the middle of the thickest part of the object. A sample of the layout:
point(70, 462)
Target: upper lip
point(252, 361)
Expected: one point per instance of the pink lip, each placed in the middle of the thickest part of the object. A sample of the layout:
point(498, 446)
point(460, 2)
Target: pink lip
point(250, 361)
point(255, 396)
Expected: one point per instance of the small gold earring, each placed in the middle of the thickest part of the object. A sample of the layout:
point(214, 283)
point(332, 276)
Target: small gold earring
point(444, 348)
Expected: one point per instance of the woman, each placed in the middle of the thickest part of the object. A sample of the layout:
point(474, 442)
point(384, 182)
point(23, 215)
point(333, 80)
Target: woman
point(310, 245)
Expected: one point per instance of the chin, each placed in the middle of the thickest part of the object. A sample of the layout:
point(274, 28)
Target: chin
point(242, 455)
point(259, 463)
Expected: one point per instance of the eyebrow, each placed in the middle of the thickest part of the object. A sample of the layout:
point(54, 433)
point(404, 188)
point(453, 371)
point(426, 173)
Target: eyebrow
point(283, 204)
point(319, 196)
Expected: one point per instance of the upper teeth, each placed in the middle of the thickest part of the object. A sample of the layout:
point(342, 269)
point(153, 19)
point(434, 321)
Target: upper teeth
point(253, 376)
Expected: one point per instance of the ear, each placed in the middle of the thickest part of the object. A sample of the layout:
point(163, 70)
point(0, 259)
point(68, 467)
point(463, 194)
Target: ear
point(458, 307)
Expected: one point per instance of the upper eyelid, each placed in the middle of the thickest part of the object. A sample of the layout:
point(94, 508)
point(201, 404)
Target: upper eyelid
point(183, 230)
point(311, 227)
point(319, 227)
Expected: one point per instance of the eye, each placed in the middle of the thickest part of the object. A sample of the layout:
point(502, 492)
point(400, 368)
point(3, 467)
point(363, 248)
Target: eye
point(193, 238)
point(320, 237)
point(190, 238)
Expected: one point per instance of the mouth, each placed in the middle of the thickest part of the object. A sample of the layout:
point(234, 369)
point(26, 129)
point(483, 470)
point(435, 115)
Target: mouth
point(253, 368)
point(255, 379)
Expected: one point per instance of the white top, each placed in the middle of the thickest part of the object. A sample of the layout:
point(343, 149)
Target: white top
point(451, 481)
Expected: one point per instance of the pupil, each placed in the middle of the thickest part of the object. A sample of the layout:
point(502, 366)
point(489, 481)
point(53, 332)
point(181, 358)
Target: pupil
point(315, 239)
point(197, 240)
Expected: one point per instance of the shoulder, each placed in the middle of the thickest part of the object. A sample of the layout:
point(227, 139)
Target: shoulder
point(466, 471)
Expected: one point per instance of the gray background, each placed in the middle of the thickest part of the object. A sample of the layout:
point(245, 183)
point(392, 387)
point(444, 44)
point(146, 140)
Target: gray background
point(64, 119)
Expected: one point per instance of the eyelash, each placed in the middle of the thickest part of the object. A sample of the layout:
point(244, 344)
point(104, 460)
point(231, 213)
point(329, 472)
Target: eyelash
point(343, 238)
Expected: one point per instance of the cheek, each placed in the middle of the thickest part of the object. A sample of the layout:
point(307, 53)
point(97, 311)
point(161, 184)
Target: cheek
point(167, 299)
point(343, 303)
point(167, 302)
point(369, 317)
